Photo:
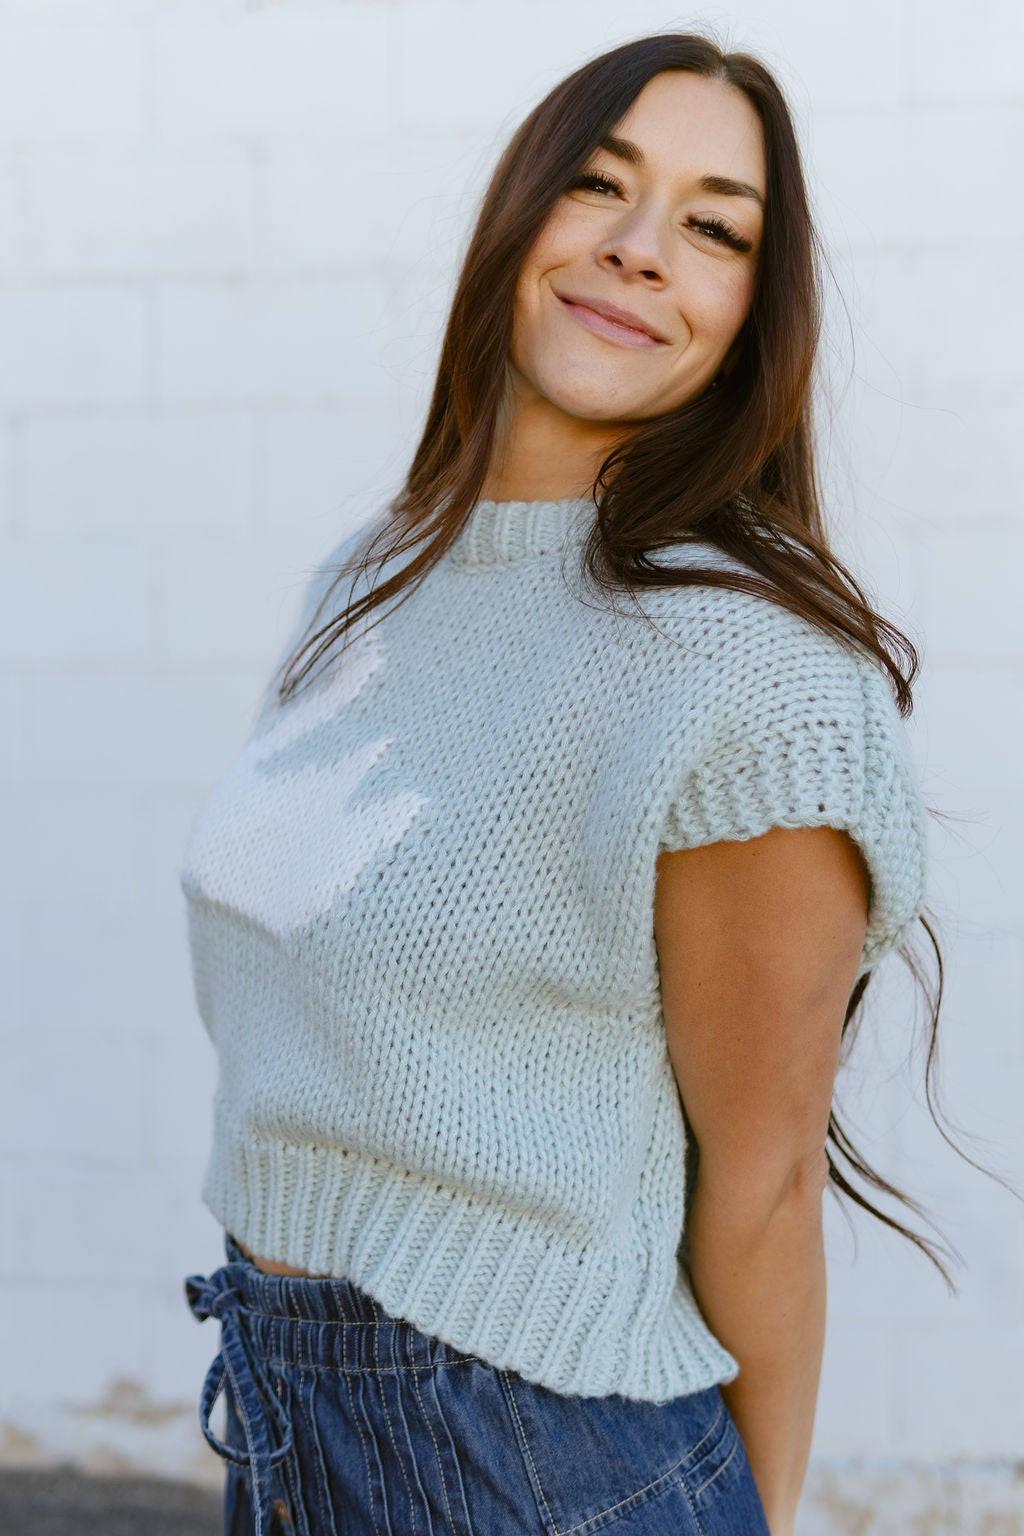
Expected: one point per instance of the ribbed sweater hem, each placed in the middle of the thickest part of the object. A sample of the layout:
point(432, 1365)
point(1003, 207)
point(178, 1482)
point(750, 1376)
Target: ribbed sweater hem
point(483, 1278)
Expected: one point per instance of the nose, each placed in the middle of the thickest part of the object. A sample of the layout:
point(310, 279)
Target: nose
point(635, 247)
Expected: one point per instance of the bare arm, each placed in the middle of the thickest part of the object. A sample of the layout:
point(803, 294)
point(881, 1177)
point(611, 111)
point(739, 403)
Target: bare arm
point(758, 946)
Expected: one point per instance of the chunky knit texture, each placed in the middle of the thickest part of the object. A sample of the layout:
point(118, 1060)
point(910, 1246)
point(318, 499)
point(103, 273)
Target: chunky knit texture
point(420, 909)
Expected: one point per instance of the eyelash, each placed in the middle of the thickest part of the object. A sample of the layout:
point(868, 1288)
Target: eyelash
point(709, 224)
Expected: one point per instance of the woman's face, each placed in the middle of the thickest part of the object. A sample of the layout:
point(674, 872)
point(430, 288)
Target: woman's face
point(639, 282)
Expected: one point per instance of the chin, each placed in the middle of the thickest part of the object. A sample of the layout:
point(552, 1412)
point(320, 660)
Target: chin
point(592, 400)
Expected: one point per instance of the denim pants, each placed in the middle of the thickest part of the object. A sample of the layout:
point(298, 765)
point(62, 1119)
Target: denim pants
point(343, 1420)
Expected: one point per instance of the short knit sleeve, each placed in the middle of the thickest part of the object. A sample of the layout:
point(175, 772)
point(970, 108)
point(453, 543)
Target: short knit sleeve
point(803, 732)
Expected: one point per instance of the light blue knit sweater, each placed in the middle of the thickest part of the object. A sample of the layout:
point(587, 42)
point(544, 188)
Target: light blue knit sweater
point(420, 914)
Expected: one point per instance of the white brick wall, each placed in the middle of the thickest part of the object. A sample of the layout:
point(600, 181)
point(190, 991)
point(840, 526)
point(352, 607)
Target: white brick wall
point(227, 242)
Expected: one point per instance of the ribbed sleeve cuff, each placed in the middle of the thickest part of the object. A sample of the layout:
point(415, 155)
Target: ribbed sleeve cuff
point(827, 749)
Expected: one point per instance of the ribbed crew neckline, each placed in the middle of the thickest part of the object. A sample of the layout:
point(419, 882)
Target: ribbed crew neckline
point(497, 532)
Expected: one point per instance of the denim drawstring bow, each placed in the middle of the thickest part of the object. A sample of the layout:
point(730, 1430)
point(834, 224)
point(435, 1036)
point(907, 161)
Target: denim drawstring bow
point(220, 1295)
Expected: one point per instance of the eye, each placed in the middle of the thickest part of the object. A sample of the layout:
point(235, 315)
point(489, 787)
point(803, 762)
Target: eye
point(594, 181)
point(718, 230)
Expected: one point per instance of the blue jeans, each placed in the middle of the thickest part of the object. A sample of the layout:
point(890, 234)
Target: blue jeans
point(343, 1420)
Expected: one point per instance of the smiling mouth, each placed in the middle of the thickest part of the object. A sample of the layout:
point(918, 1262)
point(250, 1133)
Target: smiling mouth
point(618, 331)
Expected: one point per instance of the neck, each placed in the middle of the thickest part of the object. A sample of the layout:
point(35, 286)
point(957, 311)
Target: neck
point(542, 453)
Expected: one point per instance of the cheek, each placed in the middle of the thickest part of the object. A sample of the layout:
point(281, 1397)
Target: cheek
point(553, 249)
point(735, 301)
point(561, 239)
point(566, 240)
point(716, 301)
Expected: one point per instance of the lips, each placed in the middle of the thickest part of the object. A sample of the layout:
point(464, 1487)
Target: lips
point(623, 318)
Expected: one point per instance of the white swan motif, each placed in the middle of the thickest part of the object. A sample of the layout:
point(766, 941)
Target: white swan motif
point(278, 837)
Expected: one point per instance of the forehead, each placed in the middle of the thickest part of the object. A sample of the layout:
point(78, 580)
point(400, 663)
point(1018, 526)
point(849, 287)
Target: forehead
point(692, 126)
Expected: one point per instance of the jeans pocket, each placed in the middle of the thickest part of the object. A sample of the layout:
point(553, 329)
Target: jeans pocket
point(720, 1486)
point(594, 1460)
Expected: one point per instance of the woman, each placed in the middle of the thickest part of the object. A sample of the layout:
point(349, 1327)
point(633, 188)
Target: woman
point(528, 927)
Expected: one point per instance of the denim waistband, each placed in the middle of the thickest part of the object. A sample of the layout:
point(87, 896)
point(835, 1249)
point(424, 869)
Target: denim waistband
point(293, 1320)
point(326, 1321)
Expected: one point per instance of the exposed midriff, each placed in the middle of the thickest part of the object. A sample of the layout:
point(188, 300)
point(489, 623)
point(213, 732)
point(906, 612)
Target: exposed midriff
point(274, 1267)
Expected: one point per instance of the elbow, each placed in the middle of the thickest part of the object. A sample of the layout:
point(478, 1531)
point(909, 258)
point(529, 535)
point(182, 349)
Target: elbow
point(806, 1182)
point(760, 1194)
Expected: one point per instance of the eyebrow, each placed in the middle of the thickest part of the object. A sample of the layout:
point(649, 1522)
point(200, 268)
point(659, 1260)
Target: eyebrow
point(625, 149)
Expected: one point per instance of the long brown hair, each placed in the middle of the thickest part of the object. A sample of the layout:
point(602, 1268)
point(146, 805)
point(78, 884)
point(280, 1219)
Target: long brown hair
point(734, 467)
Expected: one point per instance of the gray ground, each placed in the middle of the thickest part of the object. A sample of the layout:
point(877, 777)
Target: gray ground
point(59, 1502)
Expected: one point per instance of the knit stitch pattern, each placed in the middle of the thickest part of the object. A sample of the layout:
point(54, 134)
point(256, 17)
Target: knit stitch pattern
point(420, 913)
